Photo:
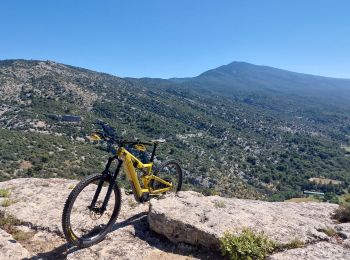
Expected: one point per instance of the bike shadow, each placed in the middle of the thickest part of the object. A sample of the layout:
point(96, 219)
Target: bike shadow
point(143, 232)
point(64, 250)
point(58, 253)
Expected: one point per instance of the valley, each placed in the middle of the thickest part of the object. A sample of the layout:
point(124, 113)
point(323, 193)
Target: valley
point(240, 130)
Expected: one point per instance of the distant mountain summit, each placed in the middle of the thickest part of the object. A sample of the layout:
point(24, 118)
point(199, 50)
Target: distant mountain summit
point(238, 77)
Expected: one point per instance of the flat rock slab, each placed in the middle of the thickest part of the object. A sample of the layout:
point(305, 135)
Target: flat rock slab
point(10, 249)
point(321, 250)
point(39, 203)
point(193, 218)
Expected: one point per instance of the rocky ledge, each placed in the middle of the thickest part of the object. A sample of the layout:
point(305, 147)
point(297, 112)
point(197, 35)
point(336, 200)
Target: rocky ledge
point(192, 218)
point(185, 226)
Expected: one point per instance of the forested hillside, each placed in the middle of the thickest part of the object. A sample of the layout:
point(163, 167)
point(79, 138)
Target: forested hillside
point(238, 130)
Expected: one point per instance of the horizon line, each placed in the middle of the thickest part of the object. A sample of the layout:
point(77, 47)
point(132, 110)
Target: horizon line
point(169, 78)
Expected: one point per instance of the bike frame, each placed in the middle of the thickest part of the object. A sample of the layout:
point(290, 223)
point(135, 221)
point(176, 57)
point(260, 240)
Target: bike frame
point(130, 163)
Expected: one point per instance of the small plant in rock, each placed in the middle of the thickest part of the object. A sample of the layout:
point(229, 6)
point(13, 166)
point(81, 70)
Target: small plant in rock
point(20, 235)
point(247, 245)
point(4, 193)
point(342, 213)
point(329, 231)
point(7, 222)
point(7, 202)
point(132, 203)
point(294, 243)
point(219, 204)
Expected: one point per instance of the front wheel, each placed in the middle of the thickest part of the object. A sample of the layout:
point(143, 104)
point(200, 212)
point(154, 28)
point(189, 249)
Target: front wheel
point(82, 225)
point(169, 171)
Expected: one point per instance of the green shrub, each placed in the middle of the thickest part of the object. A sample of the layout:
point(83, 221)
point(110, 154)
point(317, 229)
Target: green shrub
point(347, 198)
point(342, 213)
point(247, 245)
point(4, 193)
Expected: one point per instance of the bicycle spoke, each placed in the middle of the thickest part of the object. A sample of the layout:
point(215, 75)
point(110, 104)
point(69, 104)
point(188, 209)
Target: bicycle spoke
point(86, 223)
point(170, 172)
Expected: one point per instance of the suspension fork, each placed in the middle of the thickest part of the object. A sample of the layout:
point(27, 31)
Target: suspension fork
point(112, 179)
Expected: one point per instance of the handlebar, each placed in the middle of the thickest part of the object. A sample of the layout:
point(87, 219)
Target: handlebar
point(109, 135)
point(120, 142)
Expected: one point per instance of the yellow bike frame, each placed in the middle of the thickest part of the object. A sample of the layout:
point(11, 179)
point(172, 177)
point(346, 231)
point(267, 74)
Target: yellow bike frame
point(129, 164)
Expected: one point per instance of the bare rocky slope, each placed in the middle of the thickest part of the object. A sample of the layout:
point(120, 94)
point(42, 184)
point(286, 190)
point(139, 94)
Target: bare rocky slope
point(185, 226)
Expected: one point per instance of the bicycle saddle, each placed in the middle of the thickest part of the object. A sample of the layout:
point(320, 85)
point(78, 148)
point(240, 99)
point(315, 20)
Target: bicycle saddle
point(158, 141)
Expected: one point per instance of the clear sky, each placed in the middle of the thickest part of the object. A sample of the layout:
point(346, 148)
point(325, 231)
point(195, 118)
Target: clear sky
point(163, 38)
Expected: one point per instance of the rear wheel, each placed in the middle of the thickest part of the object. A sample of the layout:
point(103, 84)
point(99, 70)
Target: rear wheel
point(169, 171)
point(83, 226)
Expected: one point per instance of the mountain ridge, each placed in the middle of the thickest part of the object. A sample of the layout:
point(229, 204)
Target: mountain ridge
point(244, 77)
point(4, 61)
point(267, 67)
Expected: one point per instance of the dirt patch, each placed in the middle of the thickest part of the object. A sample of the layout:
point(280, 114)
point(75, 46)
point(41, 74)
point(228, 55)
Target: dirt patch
point(45, 244)
point(25, 165)
point(299, 200)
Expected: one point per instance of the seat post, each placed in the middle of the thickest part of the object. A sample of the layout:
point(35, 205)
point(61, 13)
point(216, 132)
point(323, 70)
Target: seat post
point(153, 152)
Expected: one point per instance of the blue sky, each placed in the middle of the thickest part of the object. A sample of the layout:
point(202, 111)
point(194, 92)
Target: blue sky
point(160, 38)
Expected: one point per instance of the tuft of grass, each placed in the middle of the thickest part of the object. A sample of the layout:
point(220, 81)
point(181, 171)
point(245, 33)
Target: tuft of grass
point(342, 213)
point(132, 203)
point(347, 198)
point(9, 222)
point(329, 231)
point(246, 245)
point(7, 202)
point(4, 193)
point(294, 243)
point(20, 235)
point(71, 187)
point(219, 204)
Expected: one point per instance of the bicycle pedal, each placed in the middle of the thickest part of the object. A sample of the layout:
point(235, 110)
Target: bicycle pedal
point(128, 192)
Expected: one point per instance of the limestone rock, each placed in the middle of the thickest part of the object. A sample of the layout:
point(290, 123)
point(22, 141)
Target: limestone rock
point(39, 204)
point(198, 220)
point(317, 251)
point(188, 219)
point(10, 248)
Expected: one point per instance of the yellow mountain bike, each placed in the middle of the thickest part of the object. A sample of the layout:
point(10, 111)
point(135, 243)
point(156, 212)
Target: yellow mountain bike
point(94, 204)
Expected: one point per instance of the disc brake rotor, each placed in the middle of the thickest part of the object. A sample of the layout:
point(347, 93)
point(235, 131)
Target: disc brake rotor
point(94, 213)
